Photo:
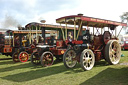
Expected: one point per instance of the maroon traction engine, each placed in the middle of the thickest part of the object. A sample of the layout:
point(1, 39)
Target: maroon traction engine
point(52, 47)
point(100, 41)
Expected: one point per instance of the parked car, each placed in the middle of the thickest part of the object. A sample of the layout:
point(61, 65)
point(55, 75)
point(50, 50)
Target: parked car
point(124, 45)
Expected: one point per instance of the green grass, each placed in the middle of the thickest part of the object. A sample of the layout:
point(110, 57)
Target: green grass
point(28, 74)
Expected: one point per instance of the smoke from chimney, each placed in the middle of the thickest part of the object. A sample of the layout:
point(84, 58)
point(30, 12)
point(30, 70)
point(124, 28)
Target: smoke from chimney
point(10, 22)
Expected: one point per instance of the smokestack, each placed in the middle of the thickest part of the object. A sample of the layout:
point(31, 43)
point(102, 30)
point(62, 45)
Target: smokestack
point(80, 14)
point(20, 28)
point(42, 21)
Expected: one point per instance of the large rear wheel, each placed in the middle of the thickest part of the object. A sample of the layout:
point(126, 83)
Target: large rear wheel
point(87, 59)
point(35, 58)
point(69, 58)
point(113, 52)
point(47, 59)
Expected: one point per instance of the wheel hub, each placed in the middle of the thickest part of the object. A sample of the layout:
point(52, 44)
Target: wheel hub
point(113, 51)
point(69, 58)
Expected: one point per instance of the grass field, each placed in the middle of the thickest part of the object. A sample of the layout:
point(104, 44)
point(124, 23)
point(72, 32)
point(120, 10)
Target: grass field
point(28, 74)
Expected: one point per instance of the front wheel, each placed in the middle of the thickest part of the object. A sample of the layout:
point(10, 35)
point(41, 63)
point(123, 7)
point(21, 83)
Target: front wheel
point(69, 58)
point(35, 58)
point(47, 59)
point(87, 59)
point(23, 56)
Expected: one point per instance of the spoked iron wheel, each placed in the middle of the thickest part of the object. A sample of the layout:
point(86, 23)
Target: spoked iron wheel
point(87, 59)
point(113, 52)
point(69, 58)
point(35, 58)
point(23, 56)
point(47, 59)
point(15, 57)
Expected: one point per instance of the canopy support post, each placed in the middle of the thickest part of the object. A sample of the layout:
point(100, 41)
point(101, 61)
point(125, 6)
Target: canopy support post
point(79, 30)
point(115, 31)
point(66, 31)
point(62, 32)
point(74, 29)
point(30, 35)
point(36, 36)
point(120, 31)
point(93, 30)
point(13, 40)
point(9, 39)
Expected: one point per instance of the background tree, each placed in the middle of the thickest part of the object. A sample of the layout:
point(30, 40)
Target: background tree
point(124, 19)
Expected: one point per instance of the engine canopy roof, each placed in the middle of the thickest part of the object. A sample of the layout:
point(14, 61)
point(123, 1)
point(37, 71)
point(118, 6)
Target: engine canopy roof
point(88, 21)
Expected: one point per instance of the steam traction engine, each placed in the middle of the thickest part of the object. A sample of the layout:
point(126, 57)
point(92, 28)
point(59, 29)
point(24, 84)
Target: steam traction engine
point(98, 42)
point(16, 44)
point(52, 46)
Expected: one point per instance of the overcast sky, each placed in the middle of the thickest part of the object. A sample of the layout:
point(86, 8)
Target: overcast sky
point(21, 12)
